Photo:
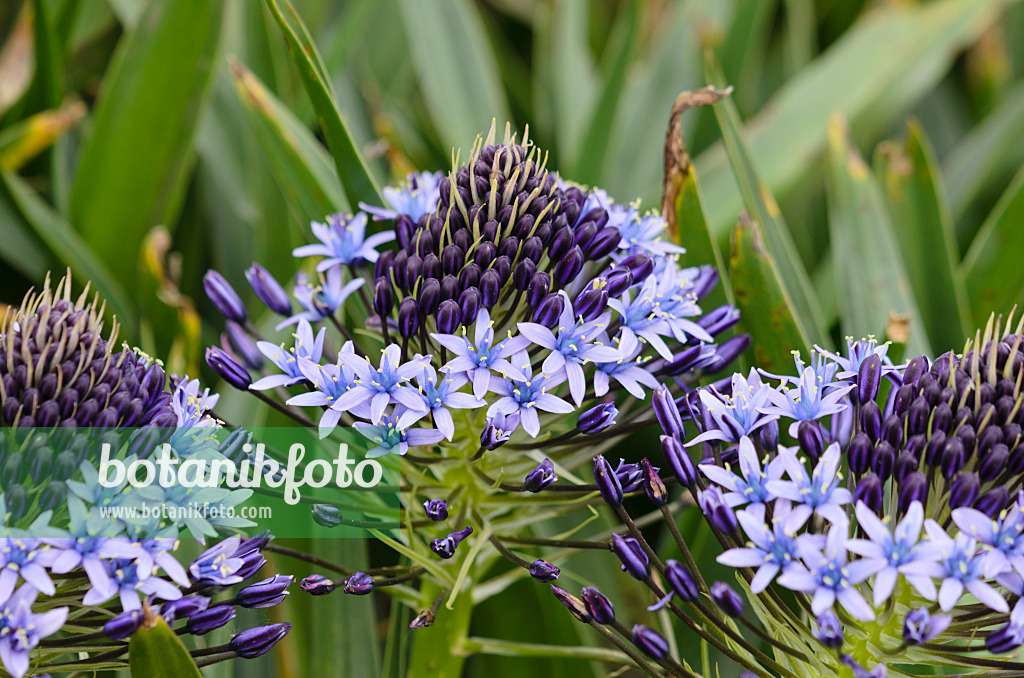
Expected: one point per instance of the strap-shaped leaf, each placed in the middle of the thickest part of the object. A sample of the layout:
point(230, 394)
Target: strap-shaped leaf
point(155, 651)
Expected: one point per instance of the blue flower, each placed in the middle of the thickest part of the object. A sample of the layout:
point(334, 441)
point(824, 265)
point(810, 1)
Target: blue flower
point(829, 577)
point(438, 395)
point(22, 629)
point(528, 395)
point(193, 407)
point(478, 357)
point(751, 487)
point(772, 548)
point(321, 301)
point(330, 383)
point(1002, 534)
point(896, 552)
point(856, 353)
point(919, 626)
point(417, 197)
point(575, 344)
point(27, 559)
point(808, 401)
point(498, 429)
point(730, 417)
point(124, 577)
point(960, 567)
point(306, 346)
point(628, 370)
point(390, 439)
point(818, 492)
point(643, 234)
point(378, 387)
point(343, 241)
point(219, 565)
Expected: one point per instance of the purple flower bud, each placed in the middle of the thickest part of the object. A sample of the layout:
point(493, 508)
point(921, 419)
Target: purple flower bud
point(469, 302)
point(383, 297)
point(678, 459)
point(123, 625)
point(540, 284)
point(719, 320)
point(629, 476)
point(592, 301)
point(429, 297)
point(905, 463)
point(681, 580)
point(597, 419)
point(667, 413)
point(942, 418)
point(1005, 638)
point(317, 585)
point(561, 243)
point(541, 477)
point(869, 378)
point(812, 438)
point(183, 608)
point(408, 317)
point(523, 274)
point(549, 310)
point(731, 349)
point(707, 278)
point(964, 490)
point(654, 487)
point(212, 618)
point(716, 510)
point(639, 266)
point(830, 630)
point(598, 606)
point(915, 368)
point(934, 448)
point(604, 243)
point(993, 501)
point(862, 450)
point(572, 603)
point(917, 416)
point(266, 593)
point(953, 457)
point(904, 398)
point(914, 488)
point(227, 369)
point(254, 642)
point(650, 642)
point(358, 584)
point(543, 571)
point(224, 297)
point(242, 345)
point(445, 547)
point(884, 460)
point(498, 430)
point(619, 280)
point(869, 491)
point(921, 627)
point(568, 268)
point(871, 420)
point(326, 515)
point(252, 561)
point(607, 481)
point(449, 316)
point(769, 434)
point(437, 509)
point(632, 556)
point(994, 463)
point(727, 599)
point(268, 290)
point(490, 287)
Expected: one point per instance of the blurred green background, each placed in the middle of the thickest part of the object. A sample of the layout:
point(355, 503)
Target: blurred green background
point(876, 145)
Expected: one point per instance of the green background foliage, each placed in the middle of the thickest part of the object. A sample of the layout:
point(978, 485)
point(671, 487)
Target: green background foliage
point(875, 145)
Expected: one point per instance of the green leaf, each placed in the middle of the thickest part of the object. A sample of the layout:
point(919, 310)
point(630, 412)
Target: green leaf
point(132, 171)
point(871, 75)
point(436, 650)
point(302, 169)
point(355, 177)
point(593, 154)
point(995, 278)
point(760, 202)
point(871, 280)
point(155, 651)
point(456, 68)
point(18, 248)
point(757, 289)
point(916, 200)
point(68, 245)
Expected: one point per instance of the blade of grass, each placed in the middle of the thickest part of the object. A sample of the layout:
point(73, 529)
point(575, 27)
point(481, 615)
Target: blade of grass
point(355, 177)
point(871, 280)
point(995, 278)
point(132, 171)
point(457, 72)
point(916, 199)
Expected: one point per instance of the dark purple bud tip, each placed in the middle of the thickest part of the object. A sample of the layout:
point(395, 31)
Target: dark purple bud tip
point(631, 555)
point(731, 348)
point(727, 599)
point(266, 593)
point(830, 630)
point(667, 413)
point(227, 369)
point(437, 509)
point(598, 606)
point(811, 438)
point(242, 345)
point(408, 317)
point(914, 488)
point(650, 642)
point(549, 310)
point(326, 515)
point(541, 477)
point(869, 378)
point(449, 316)
point(183, 608)
point(254, 642)
point(964, 490)
point(317, 585)
point(607, 481)
point(654, 487)
point(210, 619)
point(678, 459)
point(572, 603)
point(597, 419)
point(445, 546)
point(383, 297)
point(224, 297)
point(869, 491)
point(268, 290)
point(717, 510)
point(543, 571)
point(123, 625)
point(919, 626)
point(681, 580)
point(358, 584)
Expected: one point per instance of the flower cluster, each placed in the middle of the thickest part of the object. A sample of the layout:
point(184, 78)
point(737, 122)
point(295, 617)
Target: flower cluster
point(893, 510)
